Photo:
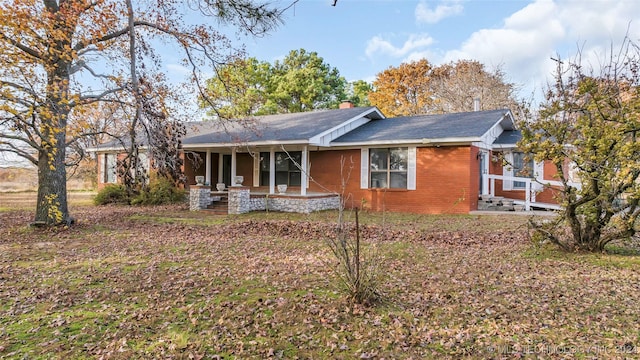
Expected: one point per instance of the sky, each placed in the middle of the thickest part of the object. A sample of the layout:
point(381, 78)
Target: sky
point(361, 38)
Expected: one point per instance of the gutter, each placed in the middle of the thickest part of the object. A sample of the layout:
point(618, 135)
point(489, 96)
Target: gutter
point(451, 141)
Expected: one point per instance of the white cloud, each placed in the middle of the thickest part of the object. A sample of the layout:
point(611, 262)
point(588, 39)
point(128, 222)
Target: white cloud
point(415, 42)
point(425, 14)
point(528, 39)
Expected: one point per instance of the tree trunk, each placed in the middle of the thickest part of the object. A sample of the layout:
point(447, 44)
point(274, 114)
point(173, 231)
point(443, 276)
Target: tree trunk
point(51, 208)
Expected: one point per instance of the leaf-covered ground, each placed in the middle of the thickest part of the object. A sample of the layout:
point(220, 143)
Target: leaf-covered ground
point(164, 282)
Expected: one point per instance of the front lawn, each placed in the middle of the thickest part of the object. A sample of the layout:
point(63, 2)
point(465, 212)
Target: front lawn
point(163, 282)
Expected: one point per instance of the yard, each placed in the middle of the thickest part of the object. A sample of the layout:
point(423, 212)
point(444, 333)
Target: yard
point(163, 282)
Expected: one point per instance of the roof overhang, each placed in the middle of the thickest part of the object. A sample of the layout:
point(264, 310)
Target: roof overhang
point(376, 143)
point(243, 144)
point(451, 141)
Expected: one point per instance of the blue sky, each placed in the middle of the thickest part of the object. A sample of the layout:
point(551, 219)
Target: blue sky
point(363, 37)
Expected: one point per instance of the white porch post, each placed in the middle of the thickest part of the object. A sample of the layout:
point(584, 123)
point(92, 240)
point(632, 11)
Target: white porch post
point(272, 172)
point(492, 187)
point(527, 194)
point(220, 168)
point(233, 166)
point(485, 158)
point(207, 167)
point(304, 174)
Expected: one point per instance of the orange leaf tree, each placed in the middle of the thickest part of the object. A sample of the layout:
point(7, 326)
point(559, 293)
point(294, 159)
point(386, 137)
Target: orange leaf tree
point(405, 90)
point(420, 88)
point(59, 57)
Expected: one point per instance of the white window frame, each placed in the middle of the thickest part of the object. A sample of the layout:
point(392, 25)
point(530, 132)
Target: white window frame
point(365, 167)
point(507, 170)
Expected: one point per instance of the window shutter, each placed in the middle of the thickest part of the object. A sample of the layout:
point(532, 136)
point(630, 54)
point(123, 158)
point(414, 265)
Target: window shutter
point(256, 169)
point(364, 168)
point(103, 166)
point(411, 168)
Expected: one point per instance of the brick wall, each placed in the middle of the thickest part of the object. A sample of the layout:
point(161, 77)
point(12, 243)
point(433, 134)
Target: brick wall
point(244, 167)
point(188, 169)
point(447, 181)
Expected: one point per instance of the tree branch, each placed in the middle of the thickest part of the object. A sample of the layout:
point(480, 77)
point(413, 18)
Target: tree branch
point(27, 50)
point(12, 148)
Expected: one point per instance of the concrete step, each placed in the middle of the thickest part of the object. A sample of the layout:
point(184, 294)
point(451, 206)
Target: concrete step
point(497, 203)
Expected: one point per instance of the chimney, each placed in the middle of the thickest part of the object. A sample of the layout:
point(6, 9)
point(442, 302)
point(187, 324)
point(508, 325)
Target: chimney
point(476, 104)
point(346, 105)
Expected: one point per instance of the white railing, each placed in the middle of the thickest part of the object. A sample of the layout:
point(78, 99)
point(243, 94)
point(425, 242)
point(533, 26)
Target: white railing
point(531, 188)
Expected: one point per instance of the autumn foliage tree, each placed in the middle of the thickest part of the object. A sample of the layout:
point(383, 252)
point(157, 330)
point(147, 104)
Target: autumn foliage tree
point(588, 129)
point(420, 88)
point(405, 90)
point(59, 57)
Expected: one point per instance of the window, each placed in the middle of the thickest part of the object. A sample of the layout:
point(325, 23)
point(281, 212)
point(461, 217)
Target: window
point(287, 172)
point(522, 167)
point(109, 169)
point(388, 168)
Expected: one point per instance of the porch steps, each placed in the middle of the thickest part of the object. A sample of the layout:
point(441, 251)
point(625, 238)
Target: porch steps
point(496, 203)
point(499, 203)
point(219, 205)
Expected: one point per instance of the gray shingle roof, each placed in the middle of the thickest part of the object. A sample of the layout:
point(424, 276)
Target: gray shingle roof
point(433, 127)
point(508, 137)
point(283, 127)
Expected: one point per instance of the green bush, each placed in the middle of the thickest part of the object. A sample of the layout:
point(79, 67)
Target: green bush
point(112, 194)
point(160, 191)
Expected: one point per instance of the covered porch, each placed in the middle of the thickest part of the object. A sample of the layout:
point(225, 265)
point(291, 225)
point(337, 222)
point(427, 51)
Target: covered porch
point(237, 180)
point(264, 169)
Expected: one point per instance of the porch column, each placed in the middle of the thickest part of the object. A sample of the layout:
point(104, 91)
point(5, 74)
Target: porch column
point(207, 167)
point(220, 168)
point(272, 172)
point(233, 166)
point(304, 174)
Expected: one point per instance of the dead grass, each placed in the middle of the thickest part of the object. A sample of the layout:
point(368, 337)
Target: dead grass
point(163, 282)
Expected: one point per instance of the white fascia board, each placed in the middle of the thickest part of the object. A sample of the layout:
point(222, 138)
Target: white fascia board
point(237, 144)
point(503, 146)
point(452, 141)
point(406, 142)
point(375, 143)
point(322, 139)
point(482, 145)
point(351, 146)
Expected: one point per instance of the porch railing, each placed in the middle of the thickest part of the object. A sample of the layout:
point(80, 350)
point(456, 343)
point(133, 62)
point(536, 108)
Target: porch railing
point(529, 189)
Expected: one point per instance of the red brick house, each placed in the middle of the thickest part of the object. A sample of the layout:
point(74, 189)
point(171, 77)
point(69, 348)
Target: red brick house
point(422, 164)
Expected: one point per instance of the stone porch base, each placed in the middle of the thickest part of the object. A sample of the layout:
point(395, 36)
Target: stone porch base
point(241, 201)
